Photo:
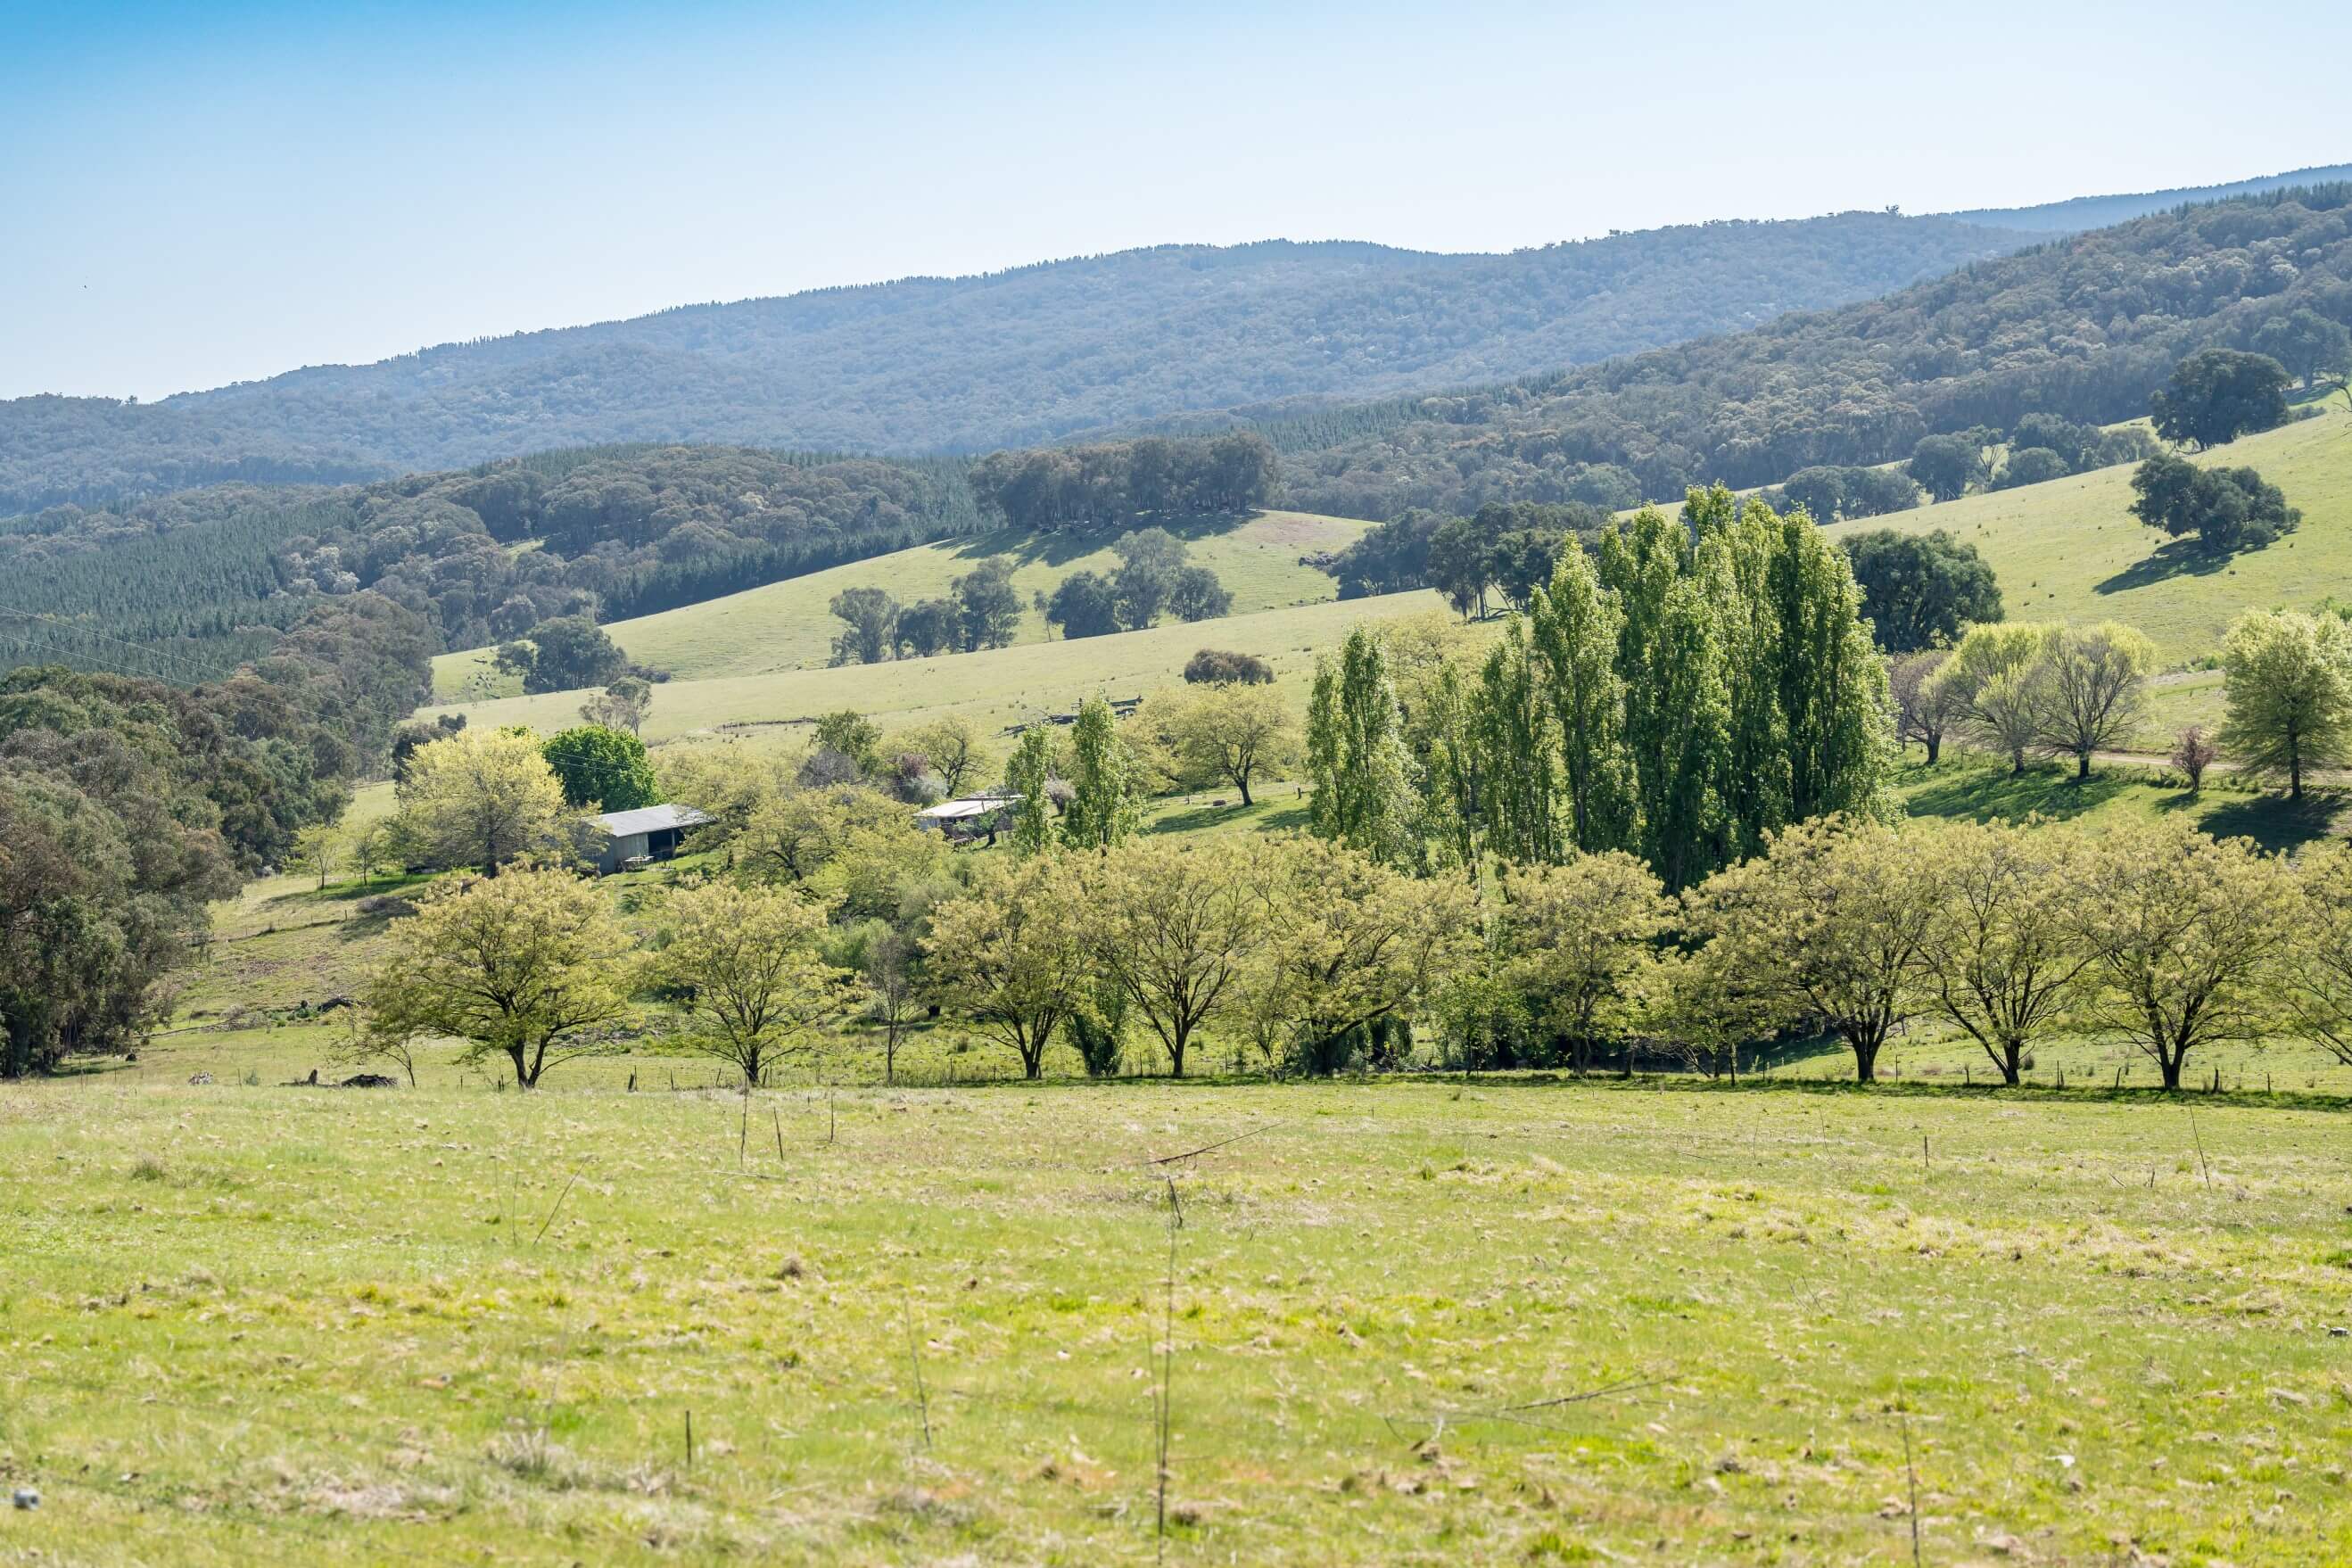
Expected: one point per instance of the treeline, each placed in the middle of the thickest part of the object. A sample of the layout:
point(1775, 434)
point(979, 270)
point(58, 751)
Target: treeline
point(485, 555)
point(1017, 358)
point(1123, 482)
point(2085, 329)
point(128, 805)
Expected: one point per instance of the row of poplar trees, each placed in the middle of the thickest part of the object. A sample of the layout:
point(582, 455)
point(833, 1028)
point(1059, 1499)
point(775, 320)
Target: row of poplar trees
point(1681, 690)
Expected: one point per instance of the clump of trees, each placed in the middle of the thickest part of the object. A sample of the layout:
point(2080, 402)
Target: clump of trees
point(1216, 667)
point(1920, 590)
point(2218, 394)
point(1153, 578)
point(1679, 693)
point(981, 609)
point(2223, 510)
point(2023, 691)
point(1125, 482)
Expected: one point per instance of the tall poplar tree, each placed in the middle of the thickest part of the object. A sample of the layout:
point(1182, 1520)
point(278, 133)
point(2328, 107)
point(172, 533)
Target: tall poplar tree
point(1575, 627)
point(1363, 776)
point(1515, 741)
point(1105, 801)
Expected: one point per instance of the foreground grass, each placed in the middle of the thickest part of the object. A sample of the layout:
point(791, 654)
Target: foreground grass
point(276, 1325)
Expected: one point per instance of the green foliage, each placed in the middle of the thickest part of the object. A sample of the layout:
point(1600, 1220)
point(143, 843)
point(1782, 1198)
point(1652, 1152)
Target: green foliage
point(1362, 776)
point(2290, 693)
point(1946, 466)
point(1217, 667)
point(487, 554)
point(571, 652)
point(600, 768)
point(2226, 508)
point(1084, 605)
point(1106, 786)
point(1920, 590)
point(988, 607)
point(1029, 774)
point(2218, 394)
point(873, 631)
point(2111, 314)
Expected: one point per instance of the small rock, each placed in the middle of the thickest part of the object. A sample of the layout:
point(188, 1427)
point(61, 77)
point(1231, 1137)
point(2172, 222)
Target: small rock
point(28, 1498)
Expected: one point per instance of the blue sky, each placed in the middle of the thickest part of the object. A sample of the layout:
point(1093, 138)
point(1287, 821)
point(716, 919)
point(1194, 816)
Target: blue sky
point(194, 195)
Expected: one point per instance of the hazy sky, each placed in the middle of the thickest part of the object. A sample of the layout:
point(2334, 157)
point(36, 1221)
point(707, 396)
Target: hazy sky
point(197, 194)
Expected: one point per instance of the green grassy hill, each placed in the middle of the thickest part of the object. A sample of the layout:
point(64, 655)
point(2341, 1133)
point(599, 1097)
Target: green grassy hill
point(786, 626)
point(2070, 549)
point(994, 688)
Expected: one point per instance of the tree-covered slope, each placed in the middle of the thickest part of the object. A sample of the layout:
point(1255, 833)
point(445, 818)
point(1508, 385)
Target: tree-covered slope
point(2086, 327)
point(1010, 359)
point(201, 578)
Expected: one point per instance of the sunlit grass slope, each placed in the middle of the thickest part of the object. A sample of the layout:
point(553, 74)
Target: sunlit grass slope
point(2070, 549)
point(787, 625)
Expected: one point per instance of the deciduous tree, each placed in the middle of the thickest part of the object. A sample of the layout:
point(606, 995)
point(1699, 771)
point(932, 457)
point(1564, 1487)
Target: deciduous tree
point(481, 798)
point(520, 968)
point(743, 962)
point(2186, 936)
point(1999, 953)
point(1173, 924)
point(2290, 693)
point(1013, 956)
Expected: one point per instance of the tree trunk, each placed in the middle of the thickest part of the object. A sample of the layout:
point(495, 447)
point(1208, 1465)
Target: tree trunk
point(1245, 794)
point(2170, 1065)
point(1935, 743)
point(1865, 1061)
point(2016, 764)
point(2082, 765)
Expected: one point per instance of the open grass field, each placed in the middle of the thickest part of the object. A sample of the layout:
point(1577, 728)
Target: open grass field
point(2070, 550)
point(1413, 1322)
point(994, 688)
point(787, 625)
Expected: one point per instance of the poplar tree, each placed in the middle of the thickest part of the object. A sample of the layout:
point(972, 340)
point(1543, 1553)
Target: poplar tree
point(1832, 684)
point(1363, 776)
point(1515, 739)
point(1103, 802)
point(1027, 773)
point(1575, 626)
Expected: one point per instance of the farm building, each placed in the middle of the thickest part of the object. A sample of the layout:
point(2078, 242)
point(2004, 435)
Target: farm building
point(649, 833)
point(969, 817)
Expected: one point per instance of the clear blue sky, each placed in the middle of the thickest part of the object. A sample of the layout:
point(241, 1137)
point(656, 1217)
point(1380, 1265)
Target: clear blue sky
point(198, 194)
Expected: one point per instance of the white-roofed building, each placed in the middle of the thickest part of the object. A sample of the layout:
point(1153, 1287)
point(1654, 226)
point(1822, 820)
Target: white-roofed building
point(649, 833)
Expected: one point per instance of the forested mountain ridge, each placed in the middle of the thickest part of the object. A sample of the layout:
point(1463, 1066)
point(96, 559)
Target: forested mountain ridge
point(2086, 327)
point(2079, 213)
point(484, 554)
point(1010, 359)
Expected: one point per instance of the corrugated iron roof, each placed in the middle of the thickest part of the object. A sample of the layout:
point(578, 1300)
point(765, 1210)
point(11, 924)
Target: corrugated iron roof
point(650, 819)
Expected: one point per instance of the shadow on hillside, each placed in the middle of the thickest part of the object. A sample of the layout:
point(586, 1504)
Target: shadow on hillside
point(2180, 558)
point(2273, 821)
point(1267, 814)
point(1059, 547)
point(1991, 794)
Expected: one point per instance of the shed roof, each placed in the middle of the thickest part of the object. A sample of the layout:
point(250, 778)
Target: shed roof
point(970, 805)
point(650, 819)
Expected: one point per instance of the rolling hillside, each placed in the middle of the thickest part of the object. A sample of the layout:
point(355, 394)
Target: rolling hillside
point(994, 688)
point(787, 625)
point(2070, 549)
point(1015, 358)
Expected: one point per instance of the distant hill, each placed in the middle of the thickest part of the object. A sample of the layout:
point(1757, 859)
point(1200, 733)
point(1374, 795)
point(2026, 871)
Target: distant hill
point(1011, 359)
point(2085, 326)
point(199, 579)
point(2100, 212)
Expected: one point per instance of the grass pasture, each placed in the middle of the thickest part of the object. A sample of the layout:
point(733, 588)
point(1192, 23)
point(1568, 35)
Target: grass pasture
point(2070, 549)
point(787, 625)
point(1414, 1321)
point(994, 688)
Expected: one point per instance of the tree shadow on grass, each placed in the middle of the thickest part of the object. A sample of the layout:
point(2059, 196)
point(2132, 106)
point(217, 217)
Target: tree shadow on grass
point(1988, 794)
point(2177, 558)
point(2273, 821)
point(1059, 547)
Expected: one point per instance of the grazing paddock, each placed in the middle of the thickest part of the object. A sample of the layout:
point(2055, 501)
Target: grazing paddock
point(1413, 1320)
